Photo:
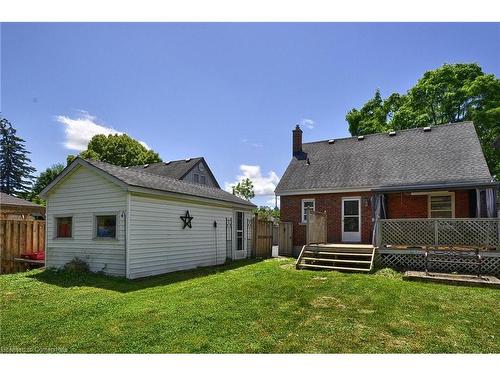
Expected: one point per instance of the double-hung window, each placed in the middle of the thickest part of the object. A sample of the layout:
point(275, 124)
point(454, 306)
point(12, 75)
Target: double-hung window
point(306, 203)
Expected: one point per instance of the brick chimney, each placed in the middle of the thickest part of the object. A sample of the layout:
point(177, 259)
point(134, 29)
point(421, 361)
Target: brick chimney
point(297, 141)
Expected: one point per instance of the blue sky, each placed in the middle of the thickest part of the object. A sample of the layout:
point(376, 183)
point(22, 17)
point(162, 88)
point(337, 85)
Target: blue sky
point(229, 92)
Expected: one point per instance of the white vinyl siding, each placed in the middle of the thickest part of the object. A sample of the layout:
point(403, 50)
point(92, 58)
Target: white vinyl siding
point(158, 244)
point(82, 195)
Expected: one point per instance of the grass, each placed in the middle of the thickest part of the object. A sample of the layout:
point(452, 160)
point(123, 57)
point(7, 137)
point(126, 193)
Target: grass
point(245, 307)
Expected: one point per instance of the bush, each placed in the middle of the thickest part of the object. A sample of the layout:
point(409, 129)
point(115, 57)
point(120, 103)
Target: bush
point(77, 265)
point(389, 273)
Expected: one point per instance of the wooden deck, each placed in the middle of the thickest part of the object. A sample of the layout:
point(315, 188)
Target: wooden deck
point(489, 281)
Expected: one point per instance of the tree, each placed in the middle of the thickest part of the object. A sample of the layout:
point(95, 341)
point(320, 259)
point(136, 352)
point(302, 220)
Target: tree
point(118, 149)
point(16, 173)
point(267, 213)
point(44, 179)
point(244, 189)
point(451, 93)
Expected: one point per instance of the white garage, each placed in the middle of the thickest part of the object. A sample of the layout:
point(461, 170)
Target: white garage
point(128, 222)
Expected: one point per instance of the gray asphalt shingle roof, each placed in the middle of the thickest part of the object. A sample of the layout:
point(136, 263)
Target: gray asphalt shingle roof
point(175, 169)
point(447, 154)
point(14, 201)
point(140, 178)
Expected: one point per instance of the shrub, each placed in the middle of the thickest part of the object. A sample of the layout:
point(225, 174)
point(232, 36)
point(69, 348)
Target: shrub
point(389, 273)
point(77, 265)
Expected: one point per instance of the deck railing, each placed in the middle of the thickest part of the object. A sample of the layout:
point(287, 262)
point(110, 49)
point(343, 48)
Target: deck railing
point(468, 232)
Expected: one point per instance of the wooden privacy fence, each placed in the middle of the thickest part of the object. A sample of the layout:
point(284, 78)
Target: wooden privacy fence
point(469, 232)
point(316, 227)
point(263, 238)
point(18, 237)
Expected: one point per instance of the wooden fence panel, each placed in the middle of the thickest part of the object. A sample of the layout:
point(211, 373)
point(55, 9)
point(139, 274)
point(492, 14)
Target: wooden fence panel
point(29, 237)
point(18, 237)
point(263, 238)
point(316, 227)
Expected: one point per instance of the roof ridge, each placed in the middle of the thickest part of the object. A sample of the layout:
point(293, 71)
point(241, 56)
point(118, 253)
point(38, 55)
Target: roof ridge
point(165, 162)
point(397, 131)
point(160, 176)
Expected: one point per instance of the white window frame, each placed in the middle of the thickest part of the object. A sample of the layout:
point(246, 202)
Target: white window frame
point(447, 194)
point(94, 226)
point(303, 220)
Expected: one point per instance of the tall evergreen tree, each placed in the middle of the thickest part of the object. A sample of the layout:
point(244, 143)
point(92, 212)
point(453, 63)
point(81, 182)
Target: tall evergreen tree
point(16, 173)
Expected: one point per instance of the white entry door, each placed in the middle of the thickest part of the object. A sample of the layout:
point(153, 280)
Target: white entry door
point(351, 219)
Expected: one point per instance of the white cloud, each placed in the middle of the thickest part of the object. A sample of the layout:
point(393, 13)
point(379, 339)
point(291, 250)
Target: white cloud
point(271, 202)
point(79, 131)
point(262, 185)
point(253, 144)
point(308, 123)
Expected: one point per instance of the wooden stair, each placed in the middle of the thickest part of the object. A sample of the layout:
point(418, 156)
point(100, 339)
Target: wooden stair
point(341, 257)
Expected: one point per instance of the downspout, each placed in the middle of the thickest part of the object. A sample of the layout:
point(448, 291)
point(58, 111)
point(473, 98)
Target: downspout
point(127, 232)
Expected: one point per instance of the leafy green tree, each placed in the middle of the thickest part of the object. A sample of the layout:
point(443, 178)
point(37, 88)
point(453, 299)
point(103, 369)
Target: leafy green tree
point(244, 189)
point(118, 149)
point(267, 213)
point(16, 173)
point(451, 93)
point(45, 178)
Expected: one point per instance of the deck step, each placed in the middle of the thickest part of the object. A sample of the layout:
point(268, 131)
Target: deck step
point(305, 265)
point(341, 254)
point(338, 260)
point(339, 257)
point(339, 250)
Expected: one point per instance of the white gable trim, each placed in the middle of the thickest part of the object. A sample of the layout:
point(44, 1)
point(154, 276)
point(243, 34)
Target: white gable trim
point(70, 168)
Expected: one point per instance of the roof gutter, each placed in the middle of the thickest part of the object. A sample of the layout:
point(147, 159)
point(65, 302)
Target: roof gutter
point(444, 186)
point(394, 188)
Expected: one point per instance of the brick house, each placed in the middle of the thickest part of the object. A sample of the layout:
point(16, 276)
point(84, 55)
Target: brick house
point(432, 172)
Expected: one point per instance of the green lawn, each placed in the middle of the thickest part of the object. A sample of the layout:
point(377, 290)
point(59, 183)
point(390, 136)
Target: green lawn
point(245, 307)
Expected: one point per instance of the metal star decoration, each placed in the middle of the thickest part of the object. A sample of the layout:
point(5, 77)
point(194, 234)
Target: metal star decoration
point(186, 220)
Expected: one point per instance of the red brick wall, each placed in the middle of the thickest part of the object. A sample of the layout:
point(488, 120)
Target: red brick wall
point(399, 205)
point(290, 210)
point(407, 206)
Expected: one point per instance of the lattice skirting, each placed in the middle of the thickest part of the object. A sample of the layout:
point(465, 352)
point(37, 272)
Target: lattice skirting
point(414, 260)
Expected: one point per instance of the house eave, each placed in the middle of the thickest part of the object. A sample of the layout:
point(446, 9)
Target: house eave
point(189, 198)
point(323, 191)
point(437, 186)
point(394, 188)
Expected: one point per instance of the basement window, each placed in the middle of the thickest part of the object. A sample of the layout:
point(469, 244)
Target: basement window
point(307, 203)
point(442, 205)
